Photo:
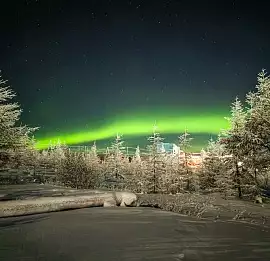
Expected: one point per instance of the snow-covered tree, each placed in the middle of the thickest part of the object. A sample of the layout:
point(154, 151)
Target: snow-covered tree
point(216, 173)
point(58, 153)
point(215, 147)
point(236, 140)
point(115, 164)
point(137, 157)
point(236, 133)
point(172, 181)
point(184, 142)
point(156, 165)
point(136, 179)
point(29, 157)
point(96, 175)
point(211, 165)
point(12, 135)
point(247, 139)
point(93, 151)
point(259, 112)
point(258, 129)
point(117, 156)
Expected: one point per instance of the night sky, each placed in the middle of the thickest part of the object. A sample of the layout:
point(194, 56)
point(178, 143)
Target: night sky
point(85, 70)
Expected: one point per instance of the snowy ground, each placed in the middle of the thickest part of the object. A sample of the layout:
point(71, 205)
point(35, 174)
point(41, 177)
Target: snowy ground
point(216, 229)
point(102, 234)
point(211, 207)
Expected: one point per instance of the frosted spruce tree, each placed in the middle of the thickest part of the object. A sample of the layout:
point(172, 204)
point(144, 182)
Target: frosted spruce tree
point(155, 165)
point(16, 142)
point(95, 177)
point(259, 112)
point(236, 141)
point(58, 153)
point(258, 129)
point(216, 173)
point(116, 164)
point(171, 181)
point(12, 135)
point(137, 157)
point(136, 179)
point(211, 166)
point(29, 157)
point(184, 142)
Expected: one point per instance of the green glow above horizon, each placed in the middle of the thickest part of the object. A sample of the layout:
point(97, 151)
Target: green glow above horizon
point(140, 124)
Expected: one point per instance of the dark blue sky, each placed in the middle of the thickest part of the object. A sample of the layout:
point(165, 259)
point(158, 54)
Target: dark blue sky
point(75, 63)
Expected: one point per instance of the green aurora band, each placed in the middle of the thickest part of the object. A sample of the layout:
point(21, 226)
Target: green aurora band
point(141, 123)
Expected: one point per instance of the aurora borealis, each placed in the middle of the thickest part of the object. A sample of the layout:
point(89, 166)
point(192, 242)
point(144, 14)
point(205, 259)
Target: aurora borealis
point(140, 124)
point(84, 70)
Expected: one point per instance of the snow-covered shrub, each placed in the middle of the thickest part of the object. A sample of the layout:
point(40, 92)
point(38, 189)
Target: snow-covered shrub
point(80, 170)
